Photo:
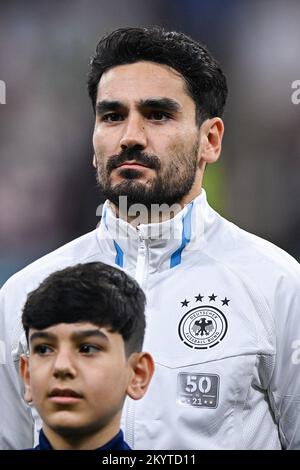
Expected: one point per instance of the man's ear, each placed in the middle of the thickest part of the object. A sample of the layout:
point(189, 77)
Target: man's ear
point(25, 375)
point(211, 134)
point(94, 161)
point(142, 366)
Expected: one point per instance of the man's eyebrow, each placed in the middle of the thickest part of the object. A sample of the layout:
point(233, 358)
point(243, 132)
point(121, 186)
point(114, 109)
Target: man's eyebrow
point(163, 104)
point(105, 106)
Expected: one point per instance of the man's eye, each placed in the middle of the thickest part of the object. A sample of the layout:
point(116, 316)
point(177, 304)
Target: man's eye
point(112, 117)
point(42, 349)
point(158, 116)
point(89, 349)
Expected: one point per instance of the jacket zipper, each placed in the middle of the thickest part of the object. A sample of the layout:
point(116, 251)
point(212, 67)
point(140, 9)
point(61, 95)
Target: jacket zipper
point(141, 277)
point(142, 261)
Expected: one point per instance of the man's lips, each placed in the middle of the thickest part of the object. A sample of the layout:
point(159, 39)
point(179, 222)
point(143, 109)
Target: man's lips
point(132, 165)
point(64, 396)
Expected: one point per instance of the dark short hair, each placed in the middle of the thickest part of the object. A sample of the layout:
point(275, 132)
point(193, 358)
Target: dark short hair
point(92, 292)
point(205, 81)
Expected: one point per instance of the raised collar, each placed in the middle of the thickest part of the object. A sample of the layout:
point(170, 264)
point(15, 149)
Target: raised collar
point(165, 242)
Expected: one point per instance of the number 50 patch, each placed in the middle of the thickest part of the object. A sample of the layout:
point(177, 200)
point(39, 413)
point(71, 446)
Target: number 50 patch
point(200, 390)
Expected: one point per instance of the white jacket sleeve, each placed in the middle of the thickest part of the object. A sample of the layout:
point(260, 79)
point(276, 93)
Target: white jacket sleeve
point(16, 424)
point(284, 390)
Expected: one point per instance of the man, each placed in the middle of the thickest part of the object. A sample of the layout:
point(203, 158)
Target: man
point(85, 328)
point(222, 305)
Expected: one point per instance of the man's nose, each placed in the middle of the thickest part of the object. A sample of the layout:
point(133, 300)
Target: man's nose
point(64, 365)
point(134, 133)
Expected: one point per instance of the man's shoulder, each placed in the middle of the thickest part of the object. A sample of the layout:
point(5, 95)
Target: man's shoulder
point(80, 250)
point(263, 250)
point(253, 254)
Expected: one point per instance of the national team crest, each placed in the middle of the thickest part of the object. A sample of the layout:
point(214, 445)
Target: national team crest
point(202, 327)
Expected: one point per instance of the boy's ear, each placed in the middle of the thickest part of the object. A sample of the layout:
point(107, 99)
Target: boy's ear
point(25, 375)
point(142, 366)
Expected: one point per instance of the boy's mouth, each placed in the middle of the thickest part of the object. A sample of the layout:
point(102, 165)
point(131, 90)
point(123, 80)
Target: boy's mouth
point(64, 396)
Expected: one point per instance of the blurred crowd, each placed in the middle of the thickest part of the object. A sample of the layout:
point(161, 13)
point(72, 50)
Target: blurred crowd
point(48, 192)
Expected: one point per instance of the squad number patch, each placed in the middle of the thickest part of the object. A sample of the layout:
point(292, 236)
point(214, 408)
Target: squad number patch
point(198, 390)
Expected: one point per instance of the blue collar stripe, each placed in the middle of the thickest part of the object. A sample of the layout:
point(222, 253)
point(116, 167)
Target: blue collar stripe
point(186, 237)
point(104, 217)
point(119, 256)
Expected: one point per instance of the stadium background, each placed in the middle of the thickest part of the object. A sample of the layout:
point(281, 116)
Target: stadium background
point(48, 193)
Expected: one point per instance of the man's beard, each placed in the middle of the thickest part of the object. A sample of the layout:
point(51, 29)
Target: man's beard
point(167, 187)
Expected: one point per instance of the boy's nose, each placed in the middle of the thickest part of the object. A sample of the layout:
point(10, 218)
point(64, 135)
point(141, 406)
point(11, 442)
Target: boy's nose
point(63, 366)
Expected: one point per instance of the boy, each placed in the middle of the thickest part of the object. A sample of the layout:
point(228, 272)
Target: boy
point(85, 328)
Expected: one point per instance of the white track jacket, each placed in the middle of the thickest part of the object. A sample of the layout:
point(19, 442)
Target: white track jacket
point(223, 326)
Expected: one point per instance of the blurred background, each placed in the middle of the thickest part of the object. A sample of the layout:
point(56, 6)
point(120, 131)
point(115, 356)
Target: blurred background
point(48, 193)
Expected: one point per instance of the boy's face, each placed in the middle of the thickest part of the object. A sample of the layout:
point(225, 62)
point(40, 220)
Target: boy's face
point(77, 376)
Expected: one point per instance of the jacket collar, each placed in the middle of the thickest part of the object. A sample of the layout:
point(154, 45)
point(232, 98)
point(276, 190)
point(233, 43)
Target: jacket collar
point(165, 243)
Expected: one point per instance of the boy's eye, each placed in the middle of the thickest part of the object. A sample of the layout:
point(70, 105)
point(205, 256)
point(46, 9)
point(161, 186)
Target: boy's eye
point(42, 349)
point(112, 117)
point(89, 349)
